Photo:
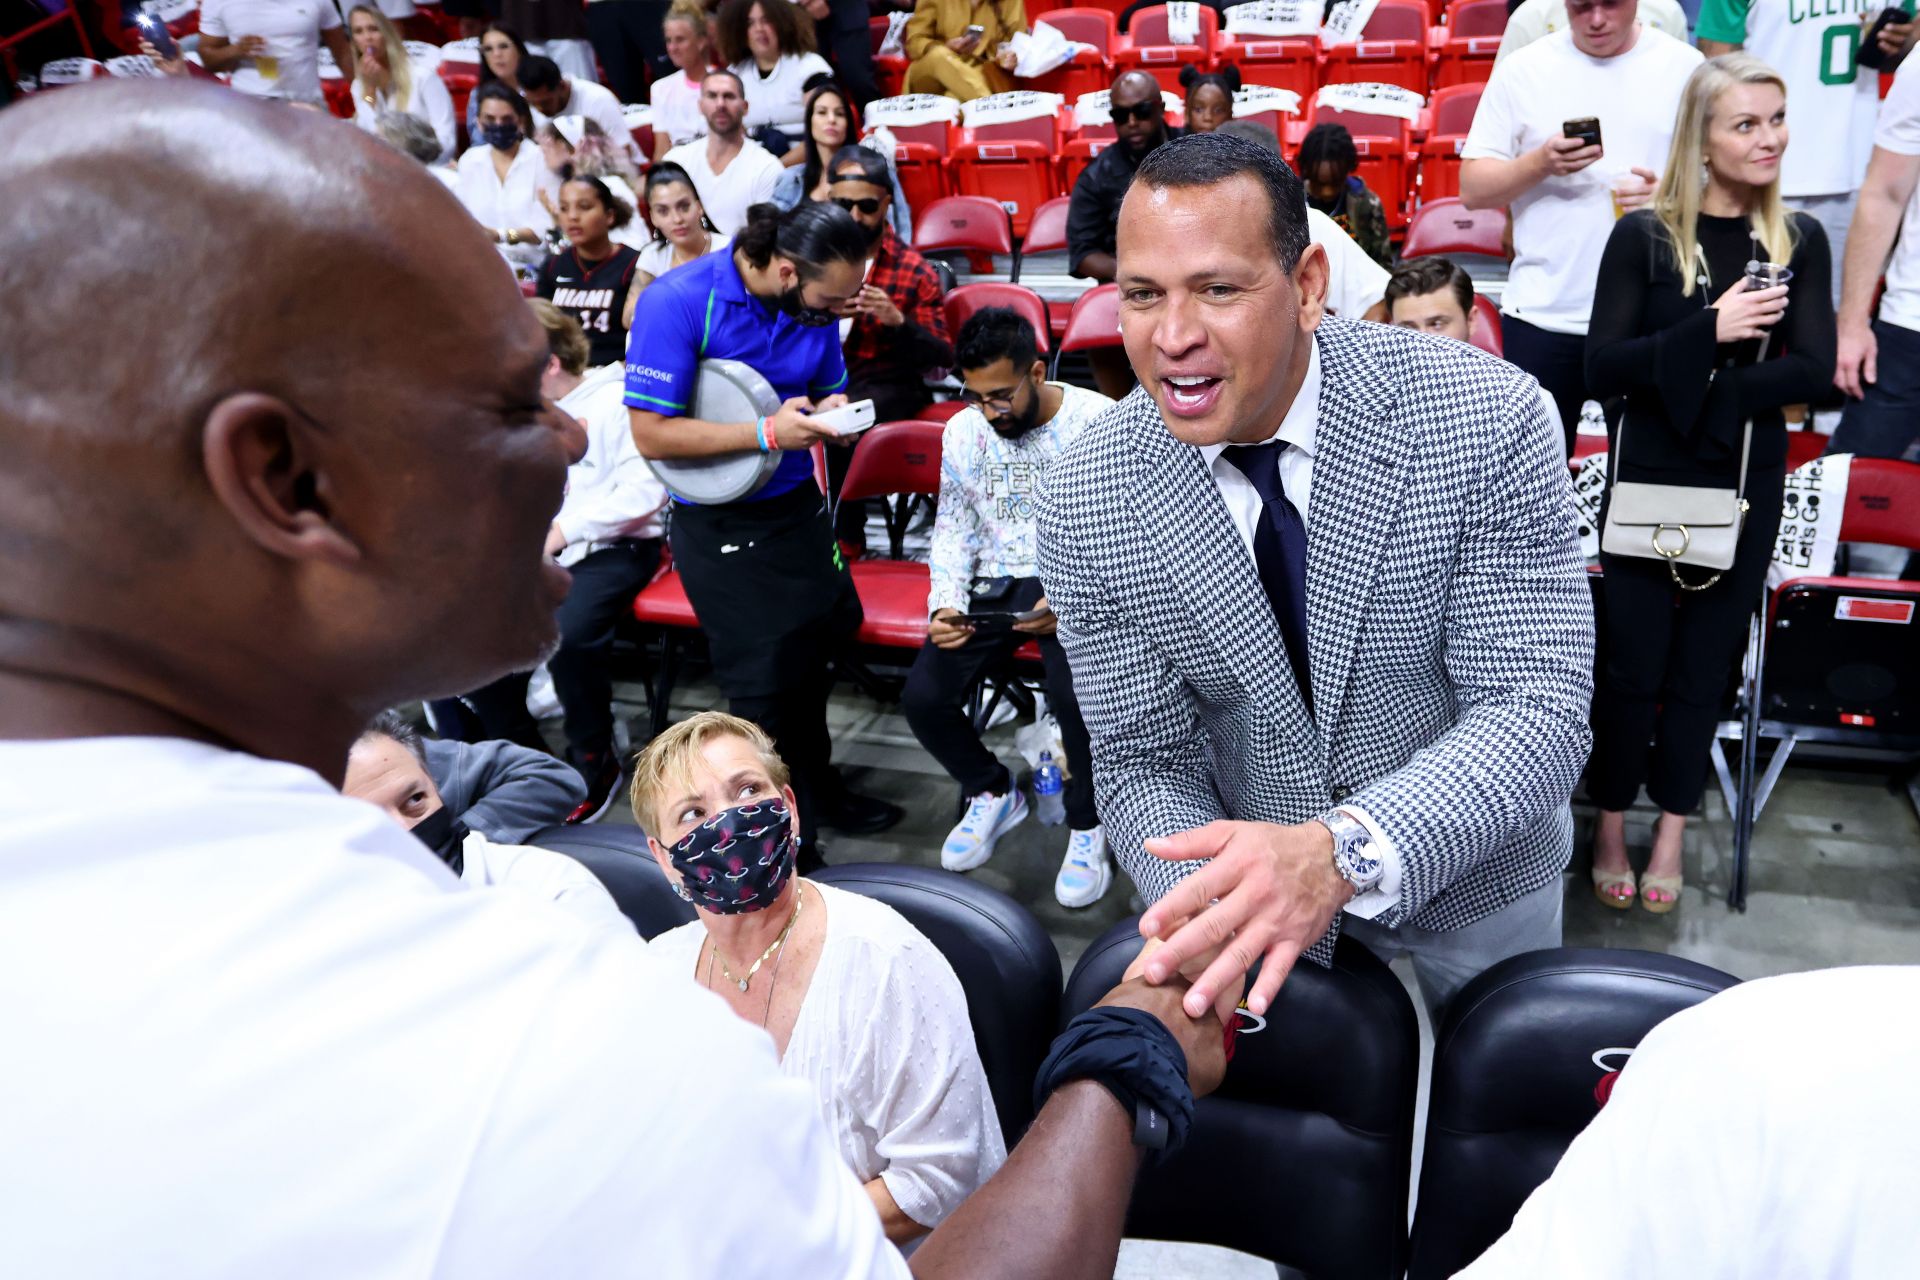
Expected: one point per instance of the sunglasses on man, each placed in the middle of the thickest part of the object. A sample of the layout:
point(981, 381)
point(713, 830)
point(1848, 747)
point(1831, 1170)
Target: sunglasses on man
point(1138, 111)
point(866, 204)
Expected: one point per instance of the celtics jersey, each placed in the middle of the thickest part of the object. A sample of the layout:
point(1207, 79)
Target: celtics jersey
point(1830, 100)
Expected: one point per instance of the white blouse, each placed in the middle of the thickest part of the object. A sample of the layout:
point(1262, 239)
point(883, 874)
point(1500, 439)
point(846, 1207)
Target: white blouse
point(779, 97)
point(514, 203)
point(884, 1039)
point(656, 256)
point(429, 100)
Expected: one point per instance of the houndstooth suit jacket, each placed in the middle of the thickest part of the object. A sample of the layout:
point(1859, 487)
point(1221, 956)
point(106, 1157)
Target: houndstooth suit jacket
point(1449, 628)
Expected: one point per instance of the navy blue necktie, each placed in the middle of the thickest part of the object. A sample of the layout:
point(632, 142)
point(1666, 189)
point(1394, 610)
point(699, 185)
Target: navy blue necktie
point(1279, 552)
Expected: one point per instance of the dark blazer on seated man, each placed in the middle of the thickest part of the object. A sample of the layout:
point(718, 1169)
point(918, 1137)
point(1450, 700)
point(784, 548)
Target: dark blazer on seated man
point(1448, 629)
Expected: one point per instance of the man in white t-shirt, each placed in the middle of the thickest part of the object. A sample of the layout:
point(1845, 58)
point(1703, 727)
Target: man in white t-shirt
point(1565, 192)
point(1537, 18)
point(272, 47)
point(554, 95)
point(1879, 364)
point(731, 171)
point(254, 1028)
point(1767, 1132)
point(1831, 100)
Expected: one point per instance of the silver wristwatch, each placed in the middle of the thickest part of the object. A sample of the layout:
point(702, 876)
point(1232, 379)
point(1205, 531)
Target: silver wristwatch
point(1354, 856)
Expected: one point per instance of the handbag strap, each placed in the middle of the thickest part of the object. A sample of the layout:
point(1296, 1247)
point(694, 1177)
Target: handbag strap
point(1704, 282)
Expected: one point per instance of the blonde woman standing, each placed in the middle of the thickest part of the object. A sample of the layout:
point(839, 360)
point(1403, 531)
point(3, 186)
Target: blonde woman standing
point(1697, 355)
point(384, 79)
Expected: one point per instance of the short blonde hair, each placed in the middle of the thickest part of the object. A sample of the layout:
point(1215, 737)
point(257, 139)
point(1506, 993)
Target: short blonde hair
point(667, 763)
point(566, 340)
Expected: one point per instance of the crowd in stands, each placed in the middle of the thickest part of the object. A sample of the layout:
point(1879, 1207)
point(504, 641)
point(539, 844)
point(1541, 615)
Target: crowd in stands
point(1700, 236)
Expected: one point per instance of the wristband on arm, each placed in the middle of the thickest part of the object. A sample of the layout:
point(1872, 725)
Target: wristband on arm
point(1136, 1058)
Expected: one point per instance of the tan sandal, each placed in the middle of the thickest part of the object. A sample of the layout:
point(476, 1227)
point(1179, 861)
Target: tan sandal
point(1669, 885)
point(1606, 884)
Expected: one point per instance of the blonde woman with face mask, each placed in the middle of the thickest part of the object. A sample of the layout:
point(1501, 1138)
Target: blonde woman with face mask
point(1683, 331)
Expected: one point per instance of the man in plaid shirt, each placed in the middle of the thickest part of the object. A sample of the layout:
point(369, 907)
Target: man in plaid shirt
point(895, 330)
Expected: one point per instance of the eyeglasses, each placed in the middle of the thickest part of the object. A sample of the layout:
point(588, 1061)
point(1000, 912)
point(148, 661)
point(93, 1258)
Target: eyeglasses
point(867, 205)
point(998, 401)
point(1138, 111)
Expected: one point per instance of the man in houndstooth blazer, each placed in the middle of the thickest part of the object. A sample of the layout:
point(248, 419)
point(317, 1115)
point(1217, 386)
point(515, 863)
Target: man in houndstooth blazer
point(1448, 621)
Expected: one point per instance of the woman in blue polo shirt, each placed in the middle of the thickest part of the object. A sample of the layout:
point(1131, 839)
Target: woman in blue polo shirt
point(763, 573)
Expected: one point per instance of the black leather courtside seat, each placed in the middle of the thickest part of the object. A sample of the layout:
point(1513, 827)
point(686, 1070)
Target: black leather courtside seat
point(1514, 1074)
point(1304, 1154)
point(618, 855)
point(1004, 959)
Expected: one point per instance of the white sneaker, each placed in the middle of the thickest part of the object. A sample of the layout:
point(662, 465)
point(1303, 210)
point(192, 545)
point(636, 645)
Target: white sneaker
point(1087, 873)
point(988, 817)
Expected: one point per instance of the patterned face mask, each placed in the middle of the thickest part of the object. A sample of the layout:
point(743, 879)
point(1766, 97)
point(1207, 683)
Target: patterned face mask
point(738, 860)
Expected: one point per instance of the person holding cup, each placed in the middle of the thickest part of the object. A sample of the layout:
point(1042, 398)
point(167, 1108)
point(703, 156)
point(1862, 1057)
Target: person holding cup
point(1696, 325)
point(272, 47)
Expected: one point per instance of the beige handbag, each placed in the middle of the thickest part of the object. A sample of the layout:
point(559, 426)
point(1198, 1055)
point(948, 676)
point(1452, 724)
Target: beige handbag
point(1681, 524)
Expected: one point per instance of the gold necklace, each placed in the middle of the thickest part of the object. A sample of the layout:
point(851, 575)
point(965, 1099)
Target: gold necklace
point(799, 901)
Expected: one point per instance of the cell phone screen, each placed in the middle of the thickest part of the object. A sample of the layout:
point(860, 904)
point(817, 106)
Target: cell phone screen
point(1587, 130)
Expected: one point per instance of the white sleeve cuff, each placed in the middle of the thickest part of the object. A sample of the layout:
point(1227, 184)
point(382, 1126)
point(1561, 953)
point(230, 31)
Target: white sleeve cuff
point(1385, 895)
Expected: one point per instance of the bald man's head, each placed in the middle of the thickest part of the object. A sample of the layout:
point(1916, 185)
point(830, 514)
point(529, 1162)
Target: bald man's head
point(1139, 119)
point(270, 422)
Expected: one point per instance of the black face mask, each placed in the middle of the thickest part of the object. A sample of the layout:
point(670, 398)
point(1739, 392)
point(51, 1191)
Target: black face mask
point(812, 317)
point(441, 832)
point(502, 137)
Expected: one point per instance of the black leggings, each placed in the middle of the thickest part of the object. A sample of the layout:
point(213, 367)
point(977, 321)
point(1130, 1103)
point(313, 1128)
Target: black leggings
point(1667, 656)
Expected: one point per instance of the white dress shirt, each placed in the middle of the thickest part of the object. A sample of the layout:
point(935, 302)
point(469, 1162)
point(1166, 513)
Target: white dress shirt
point(1297, 429)
point(597, 103)
point(427, 99)
point(545, 875)
point(514, 203)
point(256, 1029)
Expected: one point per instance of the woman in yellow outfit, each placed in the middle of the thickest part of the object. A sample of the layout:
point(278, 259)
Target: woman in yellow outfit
point(948, 60)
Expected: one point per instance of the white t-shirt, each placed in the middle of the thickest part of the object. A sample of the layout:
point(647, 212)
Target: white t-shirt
point(1769, 1132)
point(428, 99)
point(398, 9)
point(545, 875)
point(1355, 282)
point(747, 181)
point(612, 493)
point(1899, 132)
point(597, 103)
point(1537, 18)
point(884, 1040)
point(513, 204)
point(656, 256)
point(292, 31)
point(1561, 225)
point(1830, 101)
point(779, 97)
point(256, 1029)
point(676, 108)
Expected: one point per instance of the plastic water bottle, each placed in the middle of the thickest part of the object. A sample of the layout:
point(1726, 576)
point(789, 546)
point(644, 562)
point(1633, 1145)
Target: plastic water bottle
point(1047, 784)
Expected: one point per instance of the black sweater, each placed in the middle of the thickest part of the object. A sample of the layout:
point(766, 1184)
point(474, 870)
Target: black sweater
point(1688, 395)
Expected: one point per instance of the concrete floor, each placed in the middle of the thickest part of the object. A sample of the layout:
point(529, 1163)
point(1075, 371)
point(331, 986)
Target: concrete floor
point(1835, 881)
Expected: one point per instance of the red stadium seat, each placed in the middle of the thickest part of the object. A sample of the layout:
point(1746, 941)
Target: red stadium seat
point(1282, 61)
point(923, 174)
point(973, 224)
point(1446, 226)
point(969, 298)
point(890, 70)
point(1485, 334)
point(1391, 50)
point(1076, 155)
point(1095, 322)
point(1048, 231)
point(1466, 46)
point(663, 602)
point(1087, 72)
point(898, 461)
point(1386, 167)
point(944, 411)
point(1018, 175)
point(339, 96)
point(1149, 49)
point(1452, 111)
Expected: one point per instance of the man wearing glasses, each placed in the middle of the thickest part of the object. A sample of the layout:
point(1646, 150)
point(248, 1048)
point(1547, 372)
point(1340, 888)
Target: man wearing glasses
point(1139, 125)
point(993, 460)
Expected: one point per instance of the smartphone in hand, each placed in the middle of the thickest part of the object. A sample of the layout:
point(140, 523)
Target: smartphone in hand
point(157, 35)
point(1586, 129)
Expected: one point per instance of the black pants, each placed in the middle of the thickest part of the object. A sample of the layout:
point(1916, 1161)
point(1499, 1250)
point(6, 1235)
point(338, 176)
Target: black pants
point(629, 38)
point(935, 705)
point(1558, 361)
point(1668, 656)
point(847, 42)
point(775, 601)
point(604, 585)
